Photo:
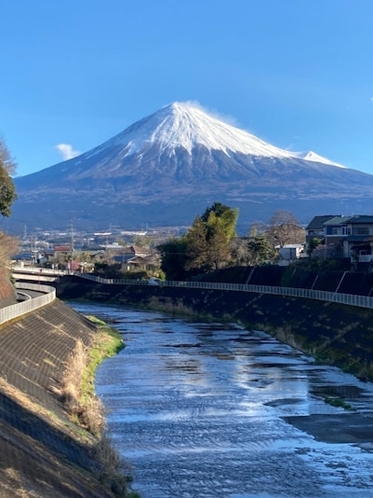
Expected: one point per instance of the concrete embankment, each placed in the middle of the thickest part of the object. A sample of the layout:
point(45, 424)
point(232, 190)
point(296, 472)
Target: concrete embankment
point(335, 334)
point(42, 452)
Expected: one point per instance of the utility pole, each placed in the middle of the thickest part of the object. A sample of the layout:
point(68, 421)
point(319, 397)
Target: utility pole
point(71, 232)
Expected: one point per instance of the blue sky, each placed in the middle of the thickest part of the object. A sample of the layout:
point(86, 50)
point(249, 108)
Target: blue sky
point(296, 73)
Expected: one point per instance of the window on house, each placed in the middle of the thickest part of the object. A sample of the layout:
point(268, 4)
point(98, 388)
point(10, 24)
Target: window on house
point(361, 230)
point(340, 231)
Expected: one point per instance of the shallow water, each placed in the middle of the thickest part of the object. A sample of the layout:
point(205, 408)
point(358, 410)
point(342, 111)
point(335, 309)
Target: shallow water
point(198, 410)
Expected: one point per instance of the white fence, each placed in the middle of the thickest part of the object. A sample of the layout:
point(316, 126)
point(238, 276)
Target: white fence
point(333, 297)
point(19, 309)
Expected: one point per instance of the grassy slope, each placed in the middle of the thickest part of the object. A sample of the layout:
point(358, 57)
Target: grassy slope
point(43, 452)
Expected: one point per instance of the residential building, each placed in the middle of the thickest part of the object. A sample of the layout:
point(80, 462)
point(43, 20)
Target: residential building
point(345, 237)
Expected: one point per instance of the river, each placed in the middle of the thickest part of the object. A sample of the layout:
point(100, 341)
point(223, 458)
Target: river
point(215, 411)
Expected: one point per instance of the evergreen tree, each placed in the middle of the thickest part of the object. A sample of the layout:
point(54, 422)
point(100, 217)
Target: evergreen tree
point(227, 216)
point(260, 250)
point(197, 256)
point(219, 251)
point(173, 257)
point(7, 189)
point(206, 245)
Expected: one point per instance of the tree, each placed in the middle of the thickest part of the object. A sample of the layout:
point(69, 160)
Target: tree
point(7, 189)
point(8, 247)
point(204, 247)
point(173, 254)
point(197, 257)
point(284, 229)
point(239, 252)
point(227, 216)
point(314, 242)
point(257, 229)
point(141, 240)
point(219, 251)
point(220, 222)
point(260, 250)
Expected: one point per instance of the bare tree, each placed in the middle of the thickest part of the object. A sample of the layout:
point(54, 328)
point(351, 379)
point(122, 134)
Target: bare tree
point(285, 229)
point(8, 246)
point(6, 160)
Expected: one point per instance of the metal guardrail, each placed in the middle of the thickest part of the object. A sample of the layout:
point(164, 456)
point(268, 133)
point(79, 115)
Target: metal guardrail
point(19, 309)
point(38, 271)
point(333, 297)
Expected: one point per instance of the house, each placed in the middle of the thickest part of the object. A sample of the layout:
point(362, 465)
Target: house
point(62, 250)
point(347, 237)
point(316, 230)
point(126, 254)
point(135, 251)
point(358, 245)
point(23, 259)
point(137, 263)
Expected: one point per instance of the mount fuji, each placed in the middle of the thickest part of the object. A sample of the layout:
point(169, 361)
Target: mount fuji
point(168, 167)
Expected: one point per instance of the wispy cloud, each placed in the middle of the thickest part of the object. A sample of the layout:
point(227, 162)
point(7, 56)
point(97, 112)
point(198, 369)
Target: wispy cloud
point(67, 151)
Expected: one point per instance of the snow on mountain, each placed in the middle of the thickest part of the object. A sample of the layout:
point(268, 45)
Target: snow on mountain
point(187, 125)
point(184, 124)
point(316, 158)
point(169, 166)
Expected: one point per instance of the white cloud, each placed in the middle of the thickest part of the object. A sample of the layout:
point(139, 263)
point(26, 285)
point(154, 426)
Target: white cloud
point(67, 151)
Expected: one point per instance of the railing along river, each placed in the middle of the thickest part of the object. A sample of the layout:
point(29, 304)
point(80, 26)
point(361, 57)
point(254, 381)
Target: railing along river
point(19, 309)
point(333, 297)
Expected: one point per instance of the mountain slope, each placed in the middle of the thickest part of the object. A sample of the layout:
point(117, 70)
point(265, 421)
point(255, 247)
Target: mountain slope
point(169, 166)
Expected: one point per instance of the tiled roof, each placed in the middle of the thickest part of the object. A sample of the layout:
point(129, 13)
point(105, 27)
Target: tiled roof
point(339, 220)
point(318, 221)
point(63, 248)
point(361, 219)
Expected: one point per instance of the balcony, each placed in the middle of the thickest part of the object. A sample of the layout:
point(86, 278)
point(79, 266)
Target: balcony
point(365, 258)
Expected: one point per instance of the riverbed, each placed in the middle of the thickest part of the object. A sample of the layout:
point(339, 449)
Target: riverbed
point(206, 410)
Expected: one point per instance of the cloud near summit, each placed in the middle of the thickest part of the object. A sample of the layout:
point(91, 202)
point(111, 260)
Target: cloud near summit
point(67, 151)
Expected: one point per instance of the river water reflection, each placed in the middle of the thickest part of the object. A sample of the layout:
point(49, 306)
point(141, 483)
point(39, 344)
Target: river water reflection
point(204, 410)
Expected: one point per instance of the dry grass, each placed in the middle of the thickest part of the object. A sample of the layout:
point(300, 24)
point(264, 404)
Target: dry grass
point(71, 384)
point(26, 402)
point(168, 305)
point(111, 474)
point(77, 393)
point(91, 416)
point(80, 401)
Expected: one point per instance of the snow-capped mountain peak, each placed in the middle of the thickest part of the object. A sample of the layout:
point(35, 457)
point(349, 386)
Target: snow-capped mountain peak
point(316, 158)
point(187, 125)
point(169, 166)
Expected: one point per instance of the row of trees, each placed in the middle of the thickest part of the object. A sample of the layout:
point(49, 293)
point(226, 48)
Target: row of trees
point(211, 242)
